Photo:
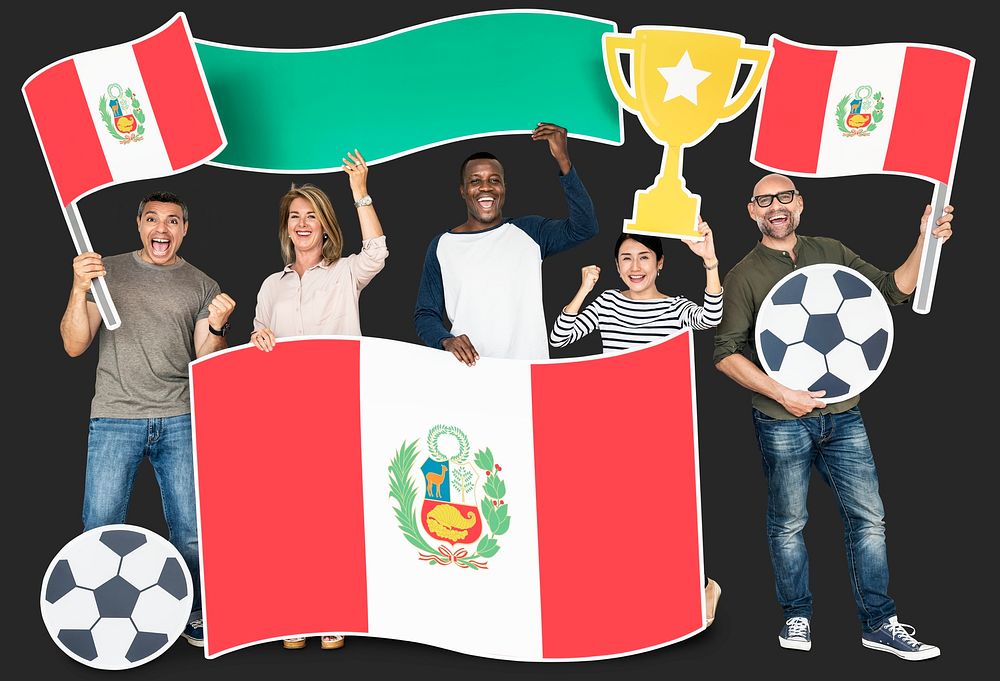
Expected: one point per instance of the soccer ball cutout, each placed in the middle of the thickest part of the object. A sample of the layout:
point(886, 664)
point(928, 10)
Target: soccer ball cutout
point(824, 327)
point(116, 597)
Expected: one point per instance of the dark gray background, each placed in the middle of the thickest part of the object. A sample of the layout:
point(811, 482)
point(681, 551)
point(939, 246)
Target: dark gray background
point(925, 414)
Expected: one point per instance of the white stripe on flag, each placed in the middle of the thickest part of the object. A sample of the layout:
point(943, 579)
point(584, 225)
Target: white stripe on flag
point(405, 391)
point(879, 67)
point(98, 70)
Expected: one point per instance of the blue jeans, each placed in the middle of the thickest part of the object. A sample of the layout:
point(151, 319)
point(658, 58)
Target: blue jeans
point(115, 448)
point(837, 444)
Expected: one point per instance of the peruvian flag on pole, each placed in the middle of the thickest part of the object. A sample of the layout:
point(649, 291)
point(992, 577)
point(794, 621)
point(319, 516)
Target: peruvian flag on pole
point(885, 108)
point(509, 510)
point(126, 112)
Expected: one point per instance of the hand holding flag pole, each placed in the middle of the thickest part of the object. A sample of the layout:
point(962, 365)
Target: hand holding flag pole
point(931, 252)
point(99, 287)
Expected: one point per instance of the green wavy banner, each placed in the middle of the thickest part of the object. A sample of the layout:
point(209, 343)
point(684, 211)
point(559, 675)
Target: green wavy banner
point(468, 76)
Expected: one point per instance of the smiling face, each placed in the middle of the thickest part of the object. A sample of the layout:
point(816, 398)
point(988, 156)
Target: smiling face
point(162, 229)
point(483, 190)
point(304, 228)
point(779, 220)
point(637, 266)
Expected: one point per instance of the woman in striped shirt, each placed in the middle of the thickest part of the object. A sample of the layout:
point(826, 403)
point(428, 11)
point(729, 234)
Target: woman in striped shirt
point(640, 314)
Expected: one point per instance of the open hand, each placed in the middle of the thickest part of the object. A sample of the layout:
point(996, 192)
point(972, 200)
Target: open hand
point(357, 171)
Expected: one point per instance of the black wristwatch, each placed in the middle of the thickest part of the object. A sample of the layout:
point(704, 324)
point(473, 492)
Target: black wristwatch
point(220, 332)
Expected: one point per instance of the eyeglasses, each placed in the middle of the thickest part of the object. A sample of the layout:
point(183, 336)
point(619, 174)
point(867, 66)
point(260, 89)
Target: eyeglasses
point(765, 200)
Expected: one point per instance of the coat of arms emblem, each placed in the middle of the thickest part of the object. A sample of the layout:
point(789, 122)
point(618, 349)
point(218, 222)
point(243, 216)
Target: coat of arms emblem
point(858, 114)
point(463, 509)
point(122, 114)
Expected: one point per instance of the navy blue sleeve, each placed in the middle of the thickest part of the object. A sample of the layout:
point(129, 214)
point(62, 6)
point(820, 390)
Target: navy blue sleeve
point(429, 313)
point(554, 236)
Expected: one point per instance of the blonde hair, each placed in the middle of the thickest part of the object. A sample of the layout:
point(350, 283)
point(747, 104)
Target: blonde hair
point(333, 243)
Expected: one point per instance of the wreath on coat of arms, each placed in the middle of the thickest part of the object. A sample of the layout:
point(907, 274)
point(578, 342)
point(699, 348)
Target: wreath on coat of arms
point(449, 512)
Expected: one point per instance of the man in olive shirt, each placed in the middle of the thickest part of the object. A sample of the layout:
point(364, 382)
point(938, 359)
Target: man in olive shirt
point(796, 429)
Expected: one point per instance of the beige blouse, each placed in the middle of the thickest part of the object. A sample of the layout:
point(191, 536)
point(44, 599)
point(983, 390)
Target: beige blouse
point(325, 300)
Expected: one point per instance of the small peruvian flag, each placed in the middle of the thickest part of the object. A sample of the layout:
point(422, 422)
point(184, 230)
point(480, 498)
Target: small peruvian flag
point(126, 112)
point(884, 108)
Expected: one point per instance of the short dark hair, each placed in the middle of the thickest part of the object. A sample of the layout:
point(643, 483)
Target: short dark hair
point(651, 242)
point(479, 155)
point(163, 197)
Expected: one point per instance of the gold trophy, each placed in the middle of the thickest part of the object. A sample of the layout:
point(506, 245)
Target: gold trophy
point(681, 83)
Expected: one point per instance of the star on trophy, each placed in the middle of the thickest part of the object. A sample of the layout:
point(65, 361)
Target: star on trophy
point(681, 85)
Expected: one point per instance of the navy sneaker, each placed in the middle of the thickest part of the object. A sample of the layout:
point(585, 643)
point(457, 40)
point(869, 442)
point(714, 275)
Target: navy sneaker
point(194, 632)
point(795, 634)
point(893, 637)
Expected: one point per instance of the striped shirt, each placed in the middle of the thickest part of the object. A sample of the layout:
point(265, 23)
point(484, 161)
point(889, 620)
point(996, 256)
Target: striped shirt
point(625, 323)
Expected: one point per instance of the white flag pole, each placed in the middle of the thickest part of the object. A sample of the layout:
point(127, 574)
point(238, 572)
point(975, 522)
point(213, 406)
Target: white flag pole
point(931, 254)
point(98, 286)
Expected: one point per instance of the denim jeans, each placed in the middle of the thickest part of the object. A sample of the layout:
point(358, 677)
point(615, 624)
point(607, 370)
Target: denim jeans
point(115, 448)
point(837, 444)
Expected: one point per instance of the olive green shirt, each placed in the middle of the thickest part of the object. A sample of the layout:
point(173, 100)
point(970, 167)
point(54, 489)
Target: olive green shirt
point(748, 283)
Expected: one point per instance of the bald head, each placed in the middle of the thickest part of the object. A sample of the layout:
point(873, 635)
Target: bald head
point(772, 184)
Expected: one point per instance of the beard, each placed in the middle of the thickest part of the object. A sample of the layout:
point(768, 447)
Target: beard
point(774, 232)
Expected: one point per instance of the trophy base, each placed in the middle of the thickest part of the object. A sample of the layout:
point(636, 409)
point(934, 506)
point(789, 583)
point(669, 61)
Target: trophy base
point(665, 214)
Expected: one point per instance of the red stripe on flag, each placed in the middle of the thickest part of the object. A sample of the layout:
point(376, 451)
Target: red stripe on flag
point(65, 122)
point(793, 108)
point(178, 95)
point(273, 574)
point(925, 126)
point(628, 578)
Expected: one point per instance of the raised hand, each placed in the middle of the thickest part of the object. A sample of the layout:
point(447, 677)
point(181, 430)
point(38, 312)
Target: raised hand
point(556, 137)
point(357, 171)
point(589, 276)
point(705, 248)
point(219, 310)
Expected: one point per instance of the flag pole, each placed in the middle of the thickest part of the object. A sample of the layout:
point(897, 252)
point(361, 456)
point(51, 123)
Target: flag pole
point(931, 253)
point(98, 286)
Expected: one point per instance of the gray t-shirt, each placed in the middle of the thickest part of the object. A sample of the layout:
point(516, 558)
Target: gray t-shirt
point(142, 371)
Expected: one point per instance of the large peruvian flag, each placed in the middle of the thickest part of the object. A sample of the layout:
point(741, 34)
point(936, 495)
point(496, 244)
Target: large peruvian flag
point(513, 509)
point(126, 112)
point(885, 108)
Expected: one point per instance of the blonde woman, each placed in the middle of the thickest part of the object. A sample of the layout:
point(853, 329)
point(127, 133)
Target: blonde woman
point(317, 292)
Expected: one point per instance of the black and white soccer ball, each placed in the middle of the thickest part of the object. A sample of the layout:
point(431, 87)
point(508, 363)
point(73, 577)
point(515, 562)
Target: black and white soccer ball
point(824, 327)
point(116, 597)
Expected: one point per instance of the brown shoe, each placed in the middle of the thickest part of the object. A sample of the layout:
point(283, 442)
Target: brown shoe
point(712, 593)
point(294, 643)
point(332, 641)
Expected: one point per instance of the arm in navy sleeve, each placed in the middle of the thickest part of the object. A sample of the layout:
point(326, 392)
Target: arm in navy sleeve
point(554, 236)
point(429, 313)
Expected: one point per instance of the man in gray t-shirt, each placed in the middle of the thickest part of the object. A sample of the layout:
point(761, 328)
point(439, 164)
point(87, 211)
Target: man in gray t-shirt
point(171, 313)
